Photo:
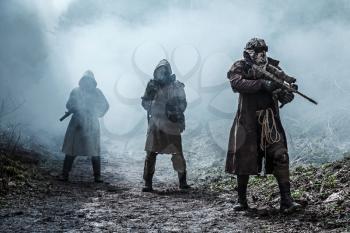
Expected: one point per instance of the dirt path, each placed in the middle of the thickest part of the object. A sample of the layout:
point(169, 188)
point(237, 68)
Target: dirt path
point(119, 206)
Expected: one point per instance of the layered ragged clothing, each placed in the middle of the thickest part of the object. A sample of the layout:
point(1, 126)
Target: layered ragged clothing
point(165, 105)
point(258, 142)
point(257, 131)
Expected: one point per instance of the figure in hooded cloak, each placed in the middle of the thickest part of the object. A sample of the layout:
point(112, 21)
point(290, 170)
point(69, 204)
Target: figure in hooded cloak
point(87, 104)
point(165, 103)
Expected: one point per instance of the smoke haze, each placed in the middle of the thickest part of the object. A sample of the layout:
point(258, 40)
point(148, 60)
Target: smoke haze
point(46, 46)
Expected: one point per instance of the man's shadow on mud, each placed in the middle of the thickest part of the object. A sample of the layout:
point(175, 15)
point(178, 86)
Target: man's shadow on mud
point(90, 186)
point(273, 215)
point(267, 213)
point(194, 193)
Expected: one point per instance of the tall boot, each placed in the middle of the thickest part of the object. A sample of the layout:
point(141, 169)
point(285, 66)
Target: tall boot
point(148, 184)
point(67, 167)
point(288, 205)
point(242, 183)
point(183, 180)
point(96, 166)
point(148, 172)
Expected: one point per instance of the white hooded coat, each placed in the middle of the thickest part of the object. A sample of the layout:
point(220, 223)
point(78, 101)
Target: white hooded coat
point(87, 103)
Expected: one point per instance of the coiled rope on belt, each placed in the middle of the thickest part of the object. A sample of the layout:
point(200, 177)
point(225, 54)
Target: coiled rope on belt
point(269, 131)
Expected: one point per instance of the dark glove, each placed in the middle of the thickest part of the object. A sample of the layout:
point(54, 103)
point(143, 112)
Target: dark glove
point(146, 104)
point(151, 90)
point(294, 86)
point(285, 97)
point(270, 86)
point(73, 110)
point(253, 74)
point(249, 72)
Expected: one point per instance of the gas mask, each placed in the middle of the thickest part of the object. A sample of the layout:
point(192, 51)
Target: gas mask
point(258, 56)
point(256, 49)
point(162, 75)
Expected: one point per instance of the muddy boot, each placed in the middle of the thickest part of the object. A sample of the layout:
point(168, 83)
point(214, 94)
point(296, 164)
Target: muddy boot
point(67, 167)
point(242, 183)
point(148, 184)
point(288, 205)
point(96, 165)
point(183, 181)
point(148, 172)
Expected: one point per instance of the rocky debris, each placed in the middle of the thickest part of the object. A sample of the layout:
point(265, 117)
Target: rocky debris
point(324, 192)
point(43, 204)
point(336, 197)
point(18, 170)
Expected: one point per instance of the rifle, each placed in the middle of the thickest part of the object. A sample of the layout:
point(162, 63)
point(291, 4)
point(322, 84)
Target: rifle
point(67, 114)
point(284, 85)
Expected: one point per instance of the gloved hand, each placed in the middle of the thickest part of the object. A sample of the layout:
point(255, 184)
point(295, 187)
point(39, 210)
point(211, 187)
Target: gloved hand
point(270, 86)
point(295, 86)
point(285, 97)
point(151, 89)
point(252, 74)
point(73, 110)
point(249, 72)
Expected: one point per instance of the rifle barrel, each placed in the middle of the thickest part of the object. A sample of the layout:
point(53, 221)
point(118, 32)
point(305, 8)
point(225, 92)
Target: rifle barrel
point(287, 86)
point(306, 97)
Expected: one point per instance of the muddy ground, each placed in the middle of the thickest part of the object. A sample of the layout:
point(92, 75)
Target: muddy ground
point(44, 204)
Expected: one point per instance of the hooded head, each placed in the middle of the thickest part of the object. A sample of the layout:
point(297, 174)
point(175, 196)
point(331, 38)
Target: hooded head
point(88, 82)
point(163, 72)
point(256, 50)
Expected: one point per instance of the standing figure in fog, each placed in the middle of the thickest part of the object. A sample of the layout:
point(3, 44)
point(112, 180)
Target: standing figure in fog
point(165, 103)
point(257, 139)
point(87, 104)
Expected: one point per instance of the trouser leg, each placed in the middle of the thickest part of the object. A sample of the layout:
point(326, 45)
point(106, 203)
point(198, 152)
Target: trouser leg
point(179, 162)
point(242, 184)
point(150, 165)
point(179, 165)
point(67, 167)
point(149, 169)
point(281, 166)
point(281, 172)
point(96, 166)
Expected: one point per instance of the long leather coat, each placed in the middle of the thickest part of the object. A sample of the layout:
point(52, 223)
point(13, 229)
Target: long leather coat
point(244, 156)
